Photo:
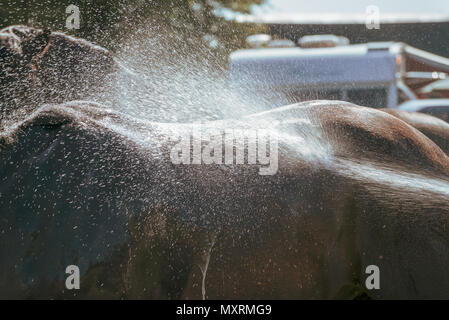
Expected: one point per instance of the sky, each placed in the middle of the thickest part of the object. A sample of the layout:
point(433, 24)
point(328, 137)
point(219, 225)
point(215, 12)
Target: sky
point(352, 6)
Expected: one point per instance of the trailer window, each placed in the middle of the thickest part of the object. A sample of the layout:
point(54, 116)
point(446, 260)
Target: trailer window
point(439, 112)
point(376, 98)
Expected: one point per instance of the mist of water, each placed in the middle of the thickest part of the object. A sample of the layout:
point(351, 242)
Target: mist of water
point(161, 80)
point(162, 85)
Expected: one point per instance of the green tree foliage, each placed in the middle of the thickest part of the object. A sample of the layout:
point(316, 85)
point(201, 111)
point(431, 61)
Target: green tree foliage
point(106, 21)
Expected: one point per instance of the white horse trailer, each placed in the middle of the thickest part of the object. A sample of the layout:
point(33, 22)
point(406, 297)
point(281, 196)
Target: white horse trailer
point(377, 74)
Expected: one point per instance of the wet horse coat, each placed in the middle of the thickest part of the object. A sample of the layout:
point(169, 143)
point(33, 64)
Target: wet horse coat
point(38, 66)
point(434, 128)
point(76, 190)
point(82, 184)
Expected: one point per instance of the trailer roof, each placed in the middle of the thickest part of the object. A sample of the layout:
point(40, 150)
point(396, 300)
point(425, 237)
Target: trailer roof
point(361, 63)
point(340, 18)
point(369, 62)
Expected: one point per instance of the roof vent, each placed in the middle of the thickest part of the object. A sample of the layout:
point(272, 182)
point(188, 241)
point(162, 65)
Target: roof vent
point(281, 43)
point(322, 41)
point(258, 40)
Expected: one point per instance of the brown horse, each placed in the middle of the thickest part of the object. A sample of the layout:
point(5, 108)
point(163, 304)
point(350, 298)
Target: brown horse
point(434, 128)
point(38, 66)
point(81, 184)
point(354, 187)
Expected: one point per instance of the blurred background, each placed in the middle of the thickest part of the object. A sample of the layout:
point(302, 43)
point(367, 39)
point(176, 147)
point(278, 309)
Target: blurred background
point(107, 22)
point(224, 24)
point(195, 39)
